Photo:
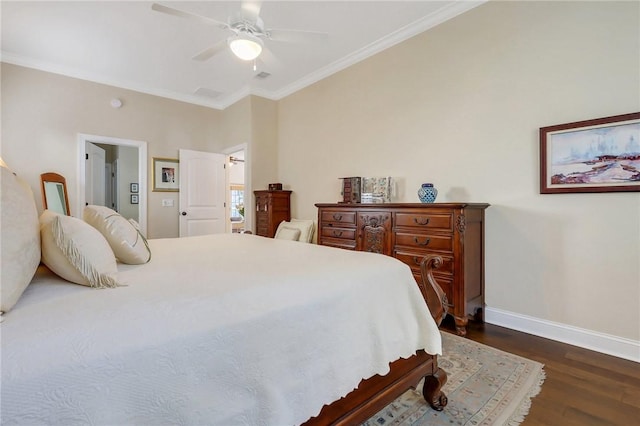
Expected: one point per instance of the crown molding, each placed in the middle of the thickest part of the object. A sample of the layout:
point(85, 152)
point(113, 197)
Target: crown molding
point(450, 11)
point(400, 35)
point(23, 61)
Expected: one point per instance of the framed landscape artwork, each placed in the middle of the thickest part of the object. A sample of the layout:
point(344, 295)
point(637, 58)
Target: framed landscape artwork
point(165, 175)
point(600, 155)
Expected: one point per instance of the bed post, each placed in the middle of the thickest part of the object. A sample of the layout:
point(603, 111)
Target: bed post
point(437, 303)
point(435, 296)
point(432, 389)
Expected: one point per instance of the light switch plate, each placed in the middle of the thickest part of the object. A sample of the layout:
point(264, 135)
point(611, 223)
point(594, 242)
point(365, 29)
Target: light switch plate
point(167, 203)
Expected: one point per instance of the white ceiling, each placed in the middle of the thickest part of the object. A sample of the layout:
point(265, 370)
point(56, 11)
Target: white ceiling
point(127, 44)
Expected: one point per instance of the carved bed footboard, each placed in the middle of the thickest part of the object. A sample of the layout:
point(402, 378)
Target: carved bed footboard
point(377, 392)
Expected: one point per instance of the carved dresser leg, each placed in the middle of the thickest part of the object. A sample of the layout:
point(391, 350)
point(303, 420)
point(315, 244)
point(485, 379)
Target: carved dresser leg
point(432, 390)
point(461, 325)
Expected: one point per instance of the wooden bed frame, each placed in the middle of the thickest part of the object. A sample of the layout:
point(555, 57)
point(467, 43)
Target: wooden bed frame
point(377, 392)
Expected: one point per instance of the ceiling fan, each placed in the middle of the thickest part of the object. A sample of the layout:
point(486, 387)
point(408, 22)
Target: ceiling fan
point(248, 32)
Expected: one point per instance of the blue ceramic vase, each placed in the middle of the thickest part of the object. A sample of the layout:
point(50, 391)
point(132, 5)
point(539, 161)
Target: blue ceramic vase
point(427, 193)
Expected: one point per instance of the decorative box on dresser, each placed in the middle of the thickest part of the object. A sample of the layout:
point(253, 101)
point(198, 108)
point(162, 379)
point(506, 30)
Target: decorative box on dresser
point(272, 207)
point(408, 232)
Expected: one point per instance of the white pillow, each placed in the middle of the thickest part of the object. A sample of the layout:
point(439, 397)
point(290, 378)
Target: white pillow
point(305, 227)
point(127, 243)
point(284, 233)
point(76, 251)
point(20, 235)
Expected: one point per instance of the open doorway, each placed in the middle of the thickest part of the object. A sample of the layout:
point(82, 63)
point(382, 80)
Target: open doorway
point(113, 172)
point(106, 182)
point(238, 199)
point(236, 191)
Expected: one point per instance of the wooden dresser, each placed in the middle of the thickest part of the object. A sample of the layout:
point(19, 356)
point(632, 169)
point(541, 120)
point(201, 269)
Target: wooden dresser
point(272, 207)
point(408, 232)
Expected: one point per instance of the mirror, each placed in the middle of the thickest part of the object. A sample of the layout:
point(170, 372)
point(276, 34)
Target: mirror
point(54, 193)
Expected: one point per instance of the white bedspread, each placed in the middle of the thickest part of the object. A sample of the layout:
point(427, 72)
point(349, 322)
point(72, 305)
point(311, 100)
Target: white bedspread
point(218, 330)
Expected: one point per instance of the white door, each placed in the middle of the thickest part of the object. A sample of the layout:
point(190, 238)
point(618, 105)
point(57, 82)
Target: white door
point(202, 193)
point(94, 175)
point(108, 190)
point(115, 185)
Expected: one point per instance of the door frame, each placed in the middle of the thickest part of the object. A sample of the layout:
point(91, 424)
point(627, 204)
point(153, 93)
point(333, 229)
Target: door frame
point(248, 193)
point(142, 171)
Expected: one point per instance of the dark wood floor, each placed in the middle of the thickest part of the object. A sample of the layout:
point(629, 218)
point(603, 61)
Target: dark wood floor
point(582, 387)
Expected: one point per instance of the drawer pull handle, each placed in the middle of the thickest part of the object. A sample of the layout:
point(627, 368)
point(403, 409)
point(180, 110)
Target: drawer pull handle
point(337, 233)
point(417, 260)
point(337, 216)
point(426, 242)
point(421, 221)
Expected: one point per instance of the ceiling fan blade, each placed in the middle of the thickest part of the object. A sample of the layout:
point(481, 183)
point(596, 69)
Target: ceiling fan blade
point(177, 12)
point(269, 59)
point(210, 52)
point(251, 10)
point(296, 36)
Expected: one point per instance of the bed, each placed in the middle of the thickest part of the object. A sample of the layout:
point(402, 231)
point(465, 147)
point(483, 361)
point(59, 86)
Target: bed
point(224, 329)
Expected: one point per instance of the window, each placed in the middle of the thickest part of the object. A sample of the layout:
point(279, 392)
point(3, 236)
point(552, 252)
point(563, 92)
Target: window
point(237, 201)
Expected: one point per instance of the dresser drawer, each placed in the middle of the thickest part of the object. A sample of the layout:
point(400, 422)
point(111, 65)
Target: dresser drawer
point(342, 233)
point(426, 241)
point(432, 221)
point(414, 260)
point(336, 242)
point(338, 218)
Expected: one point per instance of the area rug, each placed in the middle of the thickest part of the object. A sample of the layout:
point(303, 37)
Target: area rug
point(485, 386)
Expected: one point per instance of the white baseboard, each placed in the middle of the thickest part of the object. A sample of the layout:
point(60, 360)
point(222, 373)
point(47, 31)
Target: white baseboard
point(588, 339)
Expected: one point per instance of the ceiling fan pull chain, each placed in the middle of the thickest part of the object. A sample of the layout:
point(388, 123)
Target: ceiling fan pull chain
point(254, 65)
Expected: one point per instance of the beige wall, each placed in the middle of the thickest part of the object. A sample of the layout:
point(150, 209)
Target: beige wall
point(42, 114)
point(128, 173)
point(264, 149)
point(460, 106)
point(253, 121)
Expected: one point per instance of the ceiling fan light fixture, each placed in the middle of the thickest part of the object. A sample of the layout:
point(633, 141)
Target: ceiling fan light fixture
point(245, 46)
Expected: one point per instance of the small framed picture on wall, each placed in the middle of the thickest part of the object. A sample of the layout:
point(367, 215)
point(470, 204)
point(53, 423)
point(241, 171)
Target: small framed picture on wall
point(134, 198)
point(165, 175)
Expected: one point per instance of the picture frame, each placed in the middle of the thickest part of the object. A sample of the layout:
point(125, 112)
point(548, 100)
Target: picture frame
point(599, 155)
point(166, 175)
point(133, 187)
point(134, 199)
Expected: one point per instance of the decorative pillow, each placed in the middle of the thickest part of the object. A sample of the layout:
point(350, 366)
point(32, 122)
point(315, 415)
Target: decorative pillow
point(76, 251)
point(305, 227)
point(137, 226)
point(20, 235)
point(284, 233)
point(126, 241)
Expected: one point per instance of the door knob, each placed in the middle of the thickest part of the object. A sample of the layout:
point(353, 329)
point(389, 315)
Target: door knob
point(183, 213)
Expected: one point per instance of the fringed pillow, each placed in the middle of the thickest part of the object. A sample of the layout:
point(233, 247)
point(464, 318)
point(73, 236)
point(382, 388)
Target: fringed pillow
point(125, 239)
point(76, 251)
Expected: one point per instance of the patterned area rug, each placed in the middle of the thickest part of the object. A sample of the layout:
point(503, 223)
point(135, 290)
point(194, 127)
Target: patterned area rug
point(485, 386)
